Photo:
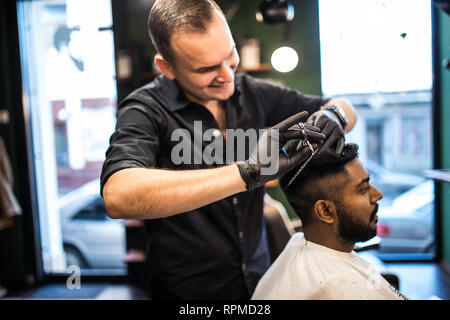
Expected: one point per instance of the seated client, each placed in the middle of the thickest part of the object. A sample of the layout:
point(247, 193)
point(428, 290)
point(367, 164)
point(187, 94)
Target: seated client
point(338, 207)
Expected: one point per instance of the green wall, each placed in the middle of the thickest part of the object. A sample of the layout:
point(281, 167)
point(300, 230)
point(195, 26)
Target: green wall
point(444, 53)
point(303, 37)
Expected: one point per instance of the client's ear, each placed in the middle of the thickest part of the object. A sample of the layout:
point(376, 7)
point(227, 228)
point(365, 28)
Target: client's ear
point(325, 211)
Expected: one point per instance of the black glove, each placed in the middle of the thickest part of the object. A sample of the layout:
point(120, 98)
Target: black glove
point(255, 173)
point(330, 126)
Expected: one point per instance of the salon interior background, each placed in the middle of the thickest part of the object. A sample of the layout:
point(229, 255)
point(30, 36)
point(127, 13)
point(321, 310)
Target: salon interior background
point(129, 19)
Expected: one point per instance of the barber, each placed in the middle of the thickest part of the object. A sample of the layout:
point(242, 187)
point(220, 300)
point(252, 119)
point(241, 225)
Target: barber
point(205, 220)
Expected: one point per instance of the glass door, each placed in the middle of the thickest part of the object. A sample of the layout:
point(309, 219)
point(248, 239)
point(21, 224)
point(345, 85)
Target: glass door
point(69, 90)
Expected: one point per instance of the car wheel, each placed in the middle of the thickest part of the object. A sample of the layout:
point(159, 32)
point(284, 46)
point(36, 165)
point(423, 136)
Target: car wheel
point(74, 257)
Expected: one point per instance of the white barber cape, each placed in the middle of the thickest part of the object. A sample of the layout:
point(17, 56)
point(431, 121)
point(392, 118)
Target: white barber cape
point(308, 271)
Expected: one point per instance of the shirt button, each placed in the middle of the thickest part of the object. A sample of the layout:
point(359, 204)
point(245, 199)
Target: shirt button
point(235, 201)
point(241, 234)
point(244, 266)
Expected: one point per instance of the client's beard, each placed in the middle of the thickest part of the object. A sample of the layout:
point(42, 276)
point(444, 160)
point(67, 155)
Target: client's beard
point(352, 230)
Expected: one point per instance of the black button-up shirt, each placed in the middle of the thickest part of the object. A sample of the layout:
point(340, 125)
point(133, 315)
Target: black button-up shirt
point(218, 251)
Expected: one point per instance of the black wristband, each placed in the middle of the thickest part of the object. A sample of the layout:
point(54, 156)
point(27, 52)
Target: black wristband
point(249, 173)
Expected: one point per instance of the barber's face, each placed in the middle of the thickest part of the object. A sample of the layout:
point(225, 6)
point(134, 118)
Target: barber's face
point(205, 63)
point(357, 212)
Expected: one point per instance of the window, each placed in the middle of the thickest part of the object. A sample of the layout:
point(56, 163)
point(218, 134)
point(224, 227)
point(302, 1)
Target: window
point(378, 54)
point(93, 210)
point(67, 56)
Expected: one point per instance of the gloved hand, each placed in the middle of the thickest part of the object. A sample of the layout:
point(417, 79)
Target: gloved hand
point(330, 126)
point(256, 171)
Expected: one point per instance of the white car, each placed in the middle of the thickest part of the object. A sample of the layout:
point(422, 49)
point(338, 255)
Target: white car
point(91, 239)
point(391, 183)
point(407, 225)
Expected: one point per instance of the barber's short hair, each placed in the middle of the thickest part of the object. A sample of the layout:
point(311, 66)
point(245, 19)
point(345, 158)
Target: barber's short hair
point(169, 16)
point(322, 179)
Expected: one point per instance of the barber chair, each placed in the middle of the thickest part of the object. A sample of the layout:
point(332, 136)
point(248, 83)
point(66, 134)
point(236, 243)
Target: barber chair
point(278, 226)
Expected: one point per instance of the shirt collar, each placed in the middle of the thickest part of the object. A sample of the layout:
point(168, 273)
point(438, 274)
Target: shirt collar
point(173, 94)
point(176, 99)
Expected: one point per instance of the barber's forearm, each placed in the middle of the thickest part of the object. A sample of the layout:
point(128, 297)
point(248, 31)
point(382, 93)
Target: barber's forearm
point(349, 110)
point(139, 193)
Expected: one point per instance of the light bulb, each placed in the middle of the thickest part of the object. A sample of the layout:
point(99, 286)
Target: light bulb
point(284, 59)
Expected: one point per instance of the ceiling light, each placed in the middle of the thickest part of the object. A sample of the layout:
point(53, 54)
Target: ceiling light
point(275, 11)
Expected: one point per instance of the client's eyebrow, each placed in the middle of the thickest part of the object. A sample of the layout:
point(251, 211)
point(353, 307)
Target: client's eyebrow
point(366, 180)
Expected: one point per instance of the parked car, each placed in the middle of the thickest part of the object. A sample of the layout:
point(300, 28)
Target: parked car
point(90, 238)
point(407, 226)
point(391, 183)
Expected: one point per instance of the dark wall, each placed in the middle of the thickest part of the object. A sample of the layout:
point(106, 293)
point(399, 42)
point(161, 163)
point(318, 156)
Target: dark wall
point(131, 38)
point(16, 249)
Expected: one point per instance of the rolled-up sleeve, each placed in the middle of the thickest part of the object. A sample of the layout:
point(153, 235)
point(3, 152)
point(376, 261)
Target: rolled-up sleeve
point(135, 142)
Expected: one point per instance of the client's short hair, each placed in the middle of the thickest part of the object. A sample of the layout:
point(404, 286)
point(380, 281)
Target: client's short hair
point(321, 179)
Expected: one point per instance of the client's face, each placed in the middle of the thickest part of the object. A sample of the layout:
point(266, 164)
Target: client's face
point(357, 212)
